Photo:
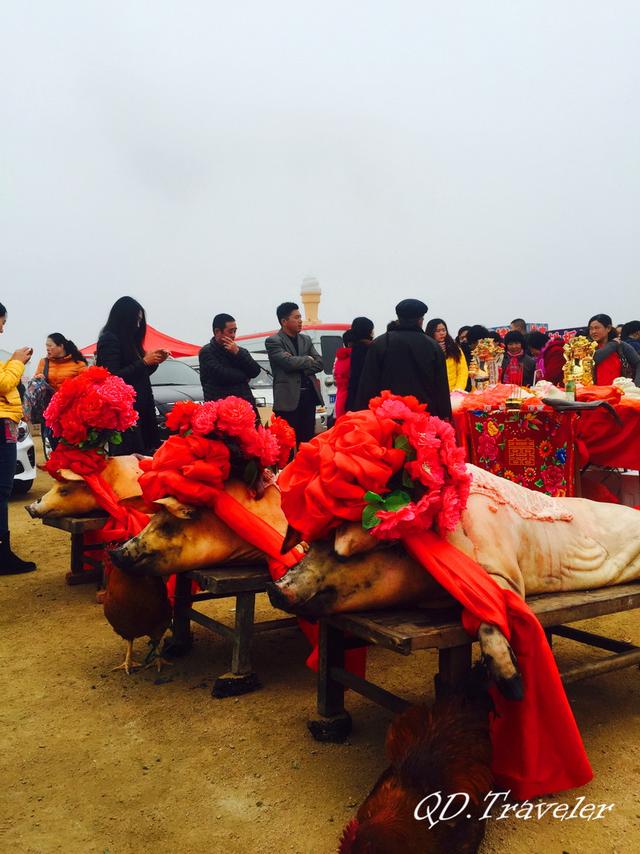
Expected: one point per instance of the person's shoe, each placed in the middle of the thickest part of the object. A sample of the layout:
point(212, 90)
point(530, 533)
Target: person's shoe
point(10, 563)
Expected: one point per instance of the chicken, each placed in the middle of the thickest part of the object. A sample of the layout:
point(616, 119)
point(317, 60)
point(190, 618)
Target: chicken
point(446, 749)
point(137, 607)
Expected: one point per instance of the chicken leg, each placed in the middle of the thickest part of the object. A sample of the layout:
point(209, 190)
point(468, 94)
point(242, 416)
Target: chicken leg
point(128, 664)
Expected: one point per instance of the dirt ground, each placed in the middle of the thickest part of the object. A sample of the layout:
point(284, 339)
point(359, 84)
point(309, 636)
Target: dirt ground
point(96, 761)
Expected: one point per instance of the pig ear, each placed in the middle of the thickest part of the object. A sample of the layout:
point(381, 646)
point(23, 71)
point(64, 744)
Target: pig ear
point(291, 539)
point(67, 474)
point(180, 511)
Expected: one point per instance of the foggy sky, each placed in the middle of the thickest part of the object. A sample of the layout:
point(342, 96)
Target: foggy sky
point(206, 156)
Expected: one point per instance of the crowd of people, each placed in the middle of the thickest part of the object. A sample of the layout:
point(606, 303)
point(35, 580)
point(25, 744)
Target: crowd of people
point(407, 359)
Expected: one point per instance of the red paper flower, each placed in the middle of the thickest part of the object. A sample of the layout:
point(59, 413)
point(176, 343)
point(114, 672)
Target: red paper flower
point(285, 434)
point(204, 419)
point(95, 402)
point(235, 416)
point(390, 405)
point(179, 419)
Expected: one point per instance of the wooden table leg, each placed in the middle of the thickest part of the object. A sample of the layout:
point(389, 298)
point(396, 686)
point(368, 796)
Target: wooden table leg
point(241, 680)
point(182, 639)
point(245, 612)
point(454, 665)
point(335, 724)
point(77, 574)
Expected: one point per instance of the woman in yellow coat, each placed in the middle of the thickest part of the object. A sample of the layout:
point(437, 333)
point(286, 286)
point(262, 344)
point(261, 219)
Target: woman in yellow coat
point(10, 415)
point(457, 369)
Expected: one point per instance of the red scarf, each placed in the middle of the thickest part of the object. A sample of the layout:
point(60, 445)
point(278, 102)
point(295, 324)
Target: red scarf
point(537, 747)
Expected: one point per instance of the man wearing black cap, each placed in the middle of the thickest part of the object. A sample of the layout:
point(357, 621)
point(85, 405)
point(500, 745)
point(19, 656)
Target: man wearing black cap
point(406, 361)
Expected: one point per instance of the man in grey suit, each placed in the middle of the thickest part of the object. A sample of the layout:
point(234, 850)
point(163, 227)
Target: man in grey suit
point(294, 362)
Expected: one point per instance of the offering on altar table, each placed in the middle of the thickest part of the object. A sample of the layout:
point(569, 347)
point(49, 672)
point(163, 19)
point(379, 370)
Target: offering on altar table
point(578, 355)
point(486, 358)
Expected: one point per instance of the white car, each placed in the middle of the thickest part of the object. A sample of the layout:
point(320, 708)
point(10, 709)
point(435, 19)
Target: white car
point(26, 466)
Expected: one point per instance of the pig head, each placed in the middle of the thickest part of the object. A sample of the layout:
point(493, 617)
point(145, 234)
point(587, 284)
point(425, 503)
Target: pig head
point(180, 538)
point(72, 497)
point(351, 572)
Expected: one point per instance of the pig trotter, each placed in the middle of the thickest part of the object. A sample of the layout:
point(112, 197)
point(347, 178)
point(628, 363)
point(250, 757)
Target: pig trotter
point(334, 730)
point(501, 663)
point(128, 664)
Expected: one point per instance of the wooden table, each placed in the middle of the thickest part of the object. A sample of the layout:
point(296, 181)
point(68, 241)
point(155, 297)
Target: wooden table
point(77, 526)
point(221, 582)
point(406, 631)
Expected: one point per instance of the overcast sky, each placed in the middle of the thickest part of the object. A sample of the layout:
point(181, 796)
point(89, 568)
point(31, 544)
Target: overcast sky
point(206, 156)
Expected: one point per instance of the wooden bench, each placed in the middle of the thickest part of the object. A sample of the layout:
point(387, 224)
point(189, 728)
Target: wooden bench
point(406, 631)
point(77, 526)
point(222, 582)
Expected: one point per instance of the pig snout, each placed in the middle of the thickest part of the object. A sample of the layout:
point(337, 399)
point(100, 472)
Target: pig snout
point(130, 558)
point(318, 605)
point(32, 510)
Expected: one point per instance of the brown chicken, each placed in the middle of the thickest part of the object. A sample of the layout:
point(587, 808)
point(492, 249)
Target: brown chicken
point(135, 608)
point(446, 749)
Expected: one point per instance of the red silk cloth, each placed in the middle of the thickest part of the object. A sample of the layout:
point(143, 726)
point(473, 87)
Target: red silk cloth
point(124, 522)
point(537, 747)
point(187, 469)
point(603, 442)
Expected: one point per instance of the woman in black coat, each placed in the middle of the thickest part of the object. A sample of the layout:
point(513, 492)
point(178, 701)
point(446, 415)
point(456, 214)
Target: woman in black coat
point(361, 336)
point(120, 350)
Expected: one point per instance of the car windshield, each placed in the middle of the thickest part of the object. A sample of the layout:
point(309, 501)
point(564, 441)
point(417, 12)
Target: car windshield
point(264, 379)
point(173, 372)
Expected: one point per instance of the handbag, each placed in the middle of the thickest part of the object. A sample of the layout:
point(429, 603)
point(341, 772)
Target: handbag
point(37, 396)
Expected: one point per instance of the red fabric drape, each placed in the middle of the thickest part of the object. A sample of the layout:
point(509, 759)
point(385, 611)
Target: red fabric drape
point(537, 747)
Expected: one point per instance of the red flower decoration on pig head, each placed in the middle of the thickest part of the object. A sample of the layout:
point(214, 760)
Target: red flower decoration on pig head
point(232, 421)
point(190, 468)
point(92, 409)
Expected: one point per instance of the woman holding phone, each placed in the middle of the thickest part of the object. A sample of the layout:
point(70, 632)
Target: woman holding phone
point(120, 350)
point(10, 415)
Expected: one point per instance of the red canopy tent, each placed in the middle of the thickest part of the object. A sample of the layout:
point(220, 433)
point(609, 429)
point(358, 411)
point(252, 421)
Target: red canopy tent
point(155, 340)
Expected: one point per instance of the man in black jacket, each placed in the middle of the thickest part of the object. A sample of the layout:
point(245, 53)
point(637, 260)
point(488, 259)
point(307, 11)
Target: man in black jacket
point(406, 361)
point(225, 368)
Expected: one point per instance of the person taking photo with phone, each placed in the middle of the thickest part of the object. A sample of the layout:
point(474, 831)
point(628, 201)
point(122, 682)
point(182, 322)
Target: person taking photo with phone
point(10, 415)
point(120, 350)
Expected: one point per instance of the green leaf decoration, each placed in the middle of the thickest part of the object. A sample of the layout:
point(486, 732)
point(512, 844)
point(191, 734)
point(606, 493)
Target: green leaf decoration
point(533, 426)
point(478, 426)
point(373, 498)
point(116, 438)
point(539, 482)
point(407, 480)
point(369, 518)
point(396, 500)
point(403, 444)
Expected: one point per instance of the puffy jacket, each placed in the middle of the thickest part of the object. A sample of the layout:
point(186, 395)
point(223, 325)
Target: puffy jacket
point(10, 403)
point(457, 373)
point(61, 370)
point(223, 373)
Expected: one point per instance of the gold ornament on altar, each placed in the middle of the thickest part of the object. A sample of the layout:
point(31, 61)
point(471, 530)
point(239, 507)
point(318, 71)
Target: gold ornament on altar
point(578, 360)
point(486, 358)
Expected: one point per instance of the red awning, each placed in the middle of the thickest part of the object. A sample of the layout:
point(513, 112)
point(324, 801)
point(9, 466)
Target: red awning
point(155, 340)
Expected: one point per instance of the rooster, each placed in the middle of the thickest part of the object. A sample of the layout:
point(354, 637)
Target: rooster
point(446, 749)
point(137, 607)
